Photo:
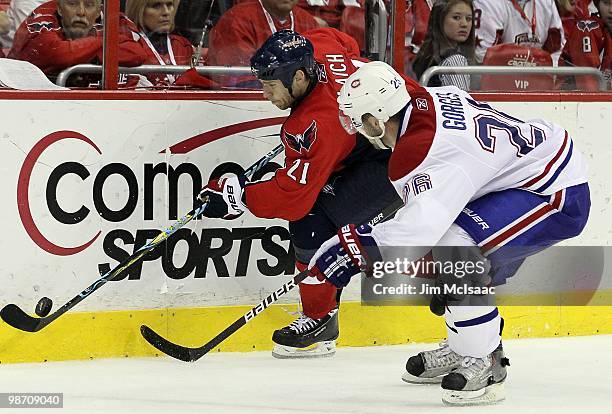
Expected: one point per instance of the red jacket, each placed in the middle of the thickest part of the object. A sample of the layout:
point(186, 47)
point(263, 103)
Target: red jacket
point(242, 30)
point(181, 49)
point(589, 43)
point(40, 40)
point(417, 18)
point(331, 12)
point(315, 142)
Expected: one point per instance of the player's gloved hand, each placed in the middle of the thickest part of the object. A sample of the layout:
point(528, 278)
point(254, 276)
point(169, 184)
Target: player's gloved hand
point(353, 250)
point(224, 197)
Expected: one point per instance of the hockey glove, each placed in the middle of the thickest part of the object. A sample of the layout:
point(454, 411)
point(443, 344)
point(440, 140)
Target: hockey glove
point(343, 256)
point(224, 197)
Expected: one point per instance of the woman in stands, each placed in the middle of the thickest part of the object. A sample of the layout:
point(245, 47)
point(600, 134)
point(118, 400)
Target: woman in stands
point(155, 20)
point(449, 42)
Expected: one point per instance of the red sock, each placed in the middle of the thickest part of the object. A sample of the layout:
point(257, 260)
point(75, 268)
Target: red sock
point(317, 300)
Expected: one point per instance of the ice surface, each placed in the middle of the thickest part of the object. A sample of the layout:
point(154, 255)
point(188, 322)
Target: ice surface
point(558, 375)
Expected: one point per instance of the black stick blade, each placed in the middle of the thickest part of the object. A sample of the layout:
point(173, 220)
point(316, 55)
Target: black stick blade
point(171, 349)
point(17, 318)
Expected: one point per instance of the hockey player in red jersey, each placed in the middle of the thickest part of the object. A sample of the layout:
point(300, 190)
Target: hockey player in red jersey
point(455, 159)
point(589, 43)
point(326, 170)
point(65, 33)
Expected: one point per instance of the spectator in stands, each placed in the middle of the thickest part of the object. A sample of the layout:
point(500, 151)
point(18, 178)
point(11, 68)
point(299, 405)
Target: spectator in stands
point(534, 23)
point(449, 42)
point(155, 20)
point(16, 13)
point(191, 15)
point(568, 11)
point(589, 43)
point(244, 28)
point(417, 16)
point(327, 13)
point(4, 23)
point(4, 27)
point(61, 34)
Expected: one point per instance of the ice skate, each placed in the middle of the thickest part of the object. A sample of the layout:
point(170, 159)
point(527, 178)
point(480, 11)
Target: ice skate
point(477, 381)
point(428, 367)
point(307, 338)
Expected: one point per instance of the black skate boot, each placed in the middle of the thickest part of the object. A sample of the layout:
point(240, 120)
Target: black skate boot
point(477, 381)
point(307, 338)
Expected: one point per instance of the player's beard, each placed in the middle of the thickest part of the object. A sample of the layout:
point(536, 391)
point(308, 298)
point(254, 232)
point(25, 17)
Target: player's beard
point(285, 102)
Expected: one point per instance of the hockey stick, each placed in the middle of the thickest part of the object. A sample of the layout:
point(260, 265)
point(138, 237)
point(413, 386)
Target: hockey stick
point(187, 354)
point(17, 318)
point(207, 25)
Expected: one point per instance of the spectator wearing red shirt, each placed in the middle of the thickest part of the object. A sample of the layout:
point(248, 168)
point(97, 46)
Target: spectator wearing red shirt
point(63, 33)
point(589, 43)
point(155, 21)
point(328, 13)
point(571, 11)
point(245, 27)
point(417, 17)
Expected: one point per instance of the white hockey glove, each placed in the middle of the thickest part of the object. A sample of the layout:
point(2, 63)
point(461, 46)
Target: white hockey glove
point(224, 197)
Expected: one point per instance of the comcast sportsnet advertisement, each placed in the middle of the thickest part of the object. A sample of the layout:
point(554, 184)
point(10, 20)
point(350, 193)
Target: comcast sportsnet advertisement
point(83, 191)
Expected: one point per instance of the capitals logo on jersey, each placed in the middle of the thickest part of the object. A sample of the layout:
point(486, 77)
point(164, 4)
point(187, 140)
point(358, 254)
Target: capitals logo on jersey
point(304, 140)
point(37, 27)
point(587, 25)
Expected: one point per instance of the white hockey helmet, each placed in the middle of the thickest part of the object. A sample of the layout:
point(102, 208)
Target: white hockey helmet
point(377, 89)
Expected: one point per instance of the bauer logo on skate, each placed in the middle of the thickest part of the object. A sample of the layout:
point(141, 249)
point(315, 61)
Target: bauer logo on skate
point(69, 197)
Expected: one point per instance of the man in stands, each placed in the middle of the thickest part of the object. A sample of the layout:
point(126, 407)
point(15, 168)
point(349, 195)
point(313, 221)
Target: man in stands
point(63, 33)
point(534, 23)
point(417, 16)
point(328, 13)
point(589, 43)
point(245, 27)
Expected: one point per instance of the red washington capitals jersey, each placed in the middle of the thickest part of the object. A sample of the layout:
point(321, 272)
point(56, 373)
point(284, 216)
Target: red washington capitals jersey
point(589, 44)
point(315, 142)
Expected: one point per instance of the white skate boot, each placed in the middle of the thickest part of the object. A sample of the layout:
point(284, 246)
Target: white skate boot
point(477, 381)
point(429, 367)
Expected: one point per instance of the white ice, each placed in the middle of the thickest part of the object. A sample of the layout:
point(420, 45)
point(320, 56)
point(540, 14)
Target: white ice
point(560, 375)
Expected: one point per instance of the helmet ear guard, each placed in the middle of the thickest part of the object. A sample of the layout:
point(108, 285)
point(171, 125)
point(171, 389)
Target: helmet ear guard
point(376, 89)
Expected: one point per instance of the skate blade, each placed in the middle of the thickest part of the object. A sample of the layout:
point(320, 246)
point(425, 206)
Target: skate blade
point(411, 379)
point(489, 395)
point(317, 350)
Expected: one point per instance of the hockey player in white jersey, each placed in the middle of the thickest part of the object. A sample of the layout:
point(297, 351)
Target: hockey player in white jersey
point(533, 23)
point(469, 176)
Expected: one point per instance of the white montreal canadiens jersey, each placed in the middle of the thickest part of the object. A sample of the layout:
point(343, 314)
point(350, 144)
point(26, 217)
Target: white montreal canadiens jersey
point(500, 21)
point(453, 149)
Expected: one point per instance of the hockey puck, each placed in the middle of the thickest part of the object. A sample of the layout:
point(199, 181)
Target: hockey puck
point(43, 307)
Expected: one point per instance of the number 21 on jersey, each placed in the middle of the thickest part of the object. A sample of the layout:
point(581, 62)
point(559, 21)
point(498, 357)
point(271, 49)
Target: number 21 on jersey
point(298, 172)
